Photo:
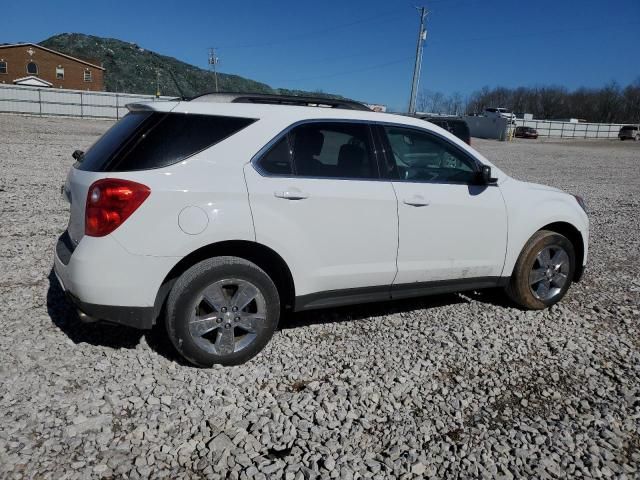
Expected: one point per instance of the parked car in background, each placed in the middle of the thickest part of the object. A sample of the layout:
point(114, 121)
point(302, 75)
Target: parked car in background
point(221, 212)
point(454, 125)
point(629, 132)
point(499, 112)
point(526, 132)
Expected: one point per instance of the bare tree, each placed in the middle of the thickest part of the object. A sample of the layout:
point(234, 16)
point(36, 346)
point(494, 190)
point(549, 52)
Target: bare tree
point(610, 103)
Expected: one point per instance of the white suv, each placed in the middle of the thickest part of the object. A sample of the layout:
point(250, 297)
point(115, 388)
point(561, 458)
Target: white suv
point(221, 212)
point(499, 113)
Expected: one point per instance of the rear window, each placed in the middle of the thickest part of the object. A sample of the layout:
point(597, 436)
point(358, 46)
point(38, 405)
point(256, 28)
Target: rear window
point(147, 140)
point(629, 128)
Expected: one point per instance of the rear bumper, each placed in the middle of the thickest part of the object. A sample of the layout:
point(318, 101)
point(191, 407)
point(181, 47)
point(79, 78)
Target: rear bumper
point(107, 283)
point(142, 318)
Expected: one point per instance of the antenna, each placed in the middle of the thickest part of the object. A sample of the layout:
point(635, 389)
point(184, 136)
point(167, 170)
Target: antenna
point(213, 61)
point(173, 77)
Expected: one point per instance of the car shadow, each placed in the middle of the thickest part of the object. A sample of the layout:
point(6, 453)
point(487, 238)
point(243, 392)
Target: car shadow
point(64, 316)
point(363, 311)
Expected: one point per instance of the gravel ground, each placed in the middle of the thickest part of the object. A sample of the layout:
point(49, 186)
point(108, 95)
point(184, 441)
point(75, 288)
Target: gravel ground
point(448, 386)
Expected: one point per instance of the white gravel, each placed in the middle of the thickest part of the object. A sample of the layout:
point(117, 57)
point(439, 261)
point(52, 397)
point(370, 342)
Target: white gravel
point(444, 387)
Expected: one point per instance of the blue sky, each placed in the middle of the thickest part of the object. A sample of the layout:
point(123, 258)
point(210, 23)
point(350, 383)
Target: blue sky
point(364, 49)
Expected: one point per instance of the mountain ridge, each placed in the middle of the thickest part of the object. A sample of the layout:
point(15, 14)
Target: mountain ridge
point(133, 69)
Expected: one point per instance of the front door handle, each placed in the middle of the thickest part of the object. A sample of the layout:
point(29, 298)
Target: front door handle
point(416, 201)
point(292, 194)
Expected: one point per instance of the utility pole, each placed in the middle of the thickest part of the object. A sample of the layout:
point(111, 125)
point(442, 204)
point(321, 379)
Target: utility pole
point(213, 61)
point(422, 35)
point(157, 83)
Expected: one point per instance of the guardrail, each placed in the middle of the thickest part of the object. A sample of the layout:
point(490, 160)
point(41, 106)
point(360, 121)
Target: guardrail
point(71, 103)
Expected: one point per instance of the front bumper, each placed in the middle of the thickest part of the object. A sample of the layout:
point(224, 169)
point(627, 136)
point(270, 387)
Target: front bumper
point(107, 283)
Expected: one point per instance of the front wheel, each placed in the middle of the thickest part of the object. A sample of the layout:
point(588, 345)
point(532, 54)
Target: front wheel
point(222, 310)
point(543, 272)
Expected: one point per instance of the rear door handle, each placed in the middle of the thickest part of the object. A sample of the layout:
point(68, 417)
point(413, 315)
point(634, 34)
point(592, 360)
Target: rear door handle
point(416, 201)
point(292, 194)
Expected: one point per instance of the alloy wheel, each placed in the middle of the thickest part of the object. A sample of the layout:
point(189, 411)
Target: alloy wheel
point(549, 273)
point(227, 316)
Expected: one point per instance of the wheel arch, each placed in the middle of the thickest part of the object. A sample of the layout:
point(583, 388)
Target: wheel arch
point(575, 237)
point(264, 257)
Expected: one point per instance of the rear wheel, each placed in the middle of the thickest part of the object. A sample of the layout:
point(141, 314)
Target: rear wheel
point(543, 272)
point(222, 310)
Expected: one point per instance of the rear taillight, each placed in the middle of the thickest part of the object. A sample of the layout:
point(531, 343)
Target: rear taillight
point(110, 202)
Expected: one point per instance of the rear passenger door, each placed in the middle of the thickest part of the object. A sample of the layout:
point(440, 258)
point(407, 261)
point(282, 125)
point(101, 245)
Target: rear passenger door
point(318, 200)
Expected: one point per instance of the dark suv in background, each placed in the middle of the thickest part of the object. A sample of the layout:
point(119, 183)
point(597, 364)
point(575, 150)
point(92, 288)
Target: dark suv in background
point(454, 125)
point(630, 132)
point(526, 132)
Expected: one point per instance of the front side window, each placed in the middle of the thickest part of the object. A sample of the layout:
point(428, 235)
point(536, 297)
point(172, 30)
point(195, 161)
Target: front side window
point(333, 150)
point(32, 68)
point(421, 157)
point(3, 66)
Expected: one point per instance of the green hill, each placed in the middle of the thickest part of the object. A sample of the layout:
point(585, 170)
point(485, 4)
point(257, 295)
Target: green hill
point(133, 69)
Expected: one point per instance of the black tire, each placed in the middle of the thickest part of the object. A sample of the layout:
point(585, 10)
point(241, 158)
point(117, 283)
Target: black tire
point(520, 289)
point(186, 298)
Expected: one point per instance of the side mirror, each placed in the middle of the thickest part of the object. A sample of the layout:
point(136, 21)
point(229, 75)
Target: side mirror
point(77, 155)
point(484, 176)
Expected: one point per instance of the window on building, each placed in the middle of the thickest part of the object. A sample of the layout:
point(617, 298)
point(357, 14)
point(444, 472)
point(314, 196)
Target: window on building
point(32, 68)
point(60, 72)
point(87, 76)
point(3, 66)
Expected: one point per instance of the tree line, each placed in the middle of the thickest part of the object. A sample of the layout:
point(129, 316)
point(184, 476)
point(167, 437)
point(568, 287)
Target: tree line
point(609, 104)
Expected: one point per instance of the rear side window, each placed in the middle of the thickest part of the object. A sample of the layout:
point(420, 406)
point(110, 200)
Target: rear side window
point(333, 150)
point(147, 140)
point(278, 160)
point(323, 150)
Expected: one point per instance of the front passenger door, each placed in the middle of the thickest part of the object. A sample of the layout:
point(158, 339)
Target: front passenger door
point(449, 228)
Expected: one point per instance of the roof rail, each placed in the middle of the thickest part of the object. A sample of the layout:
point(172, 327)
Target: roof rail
point(270, 99)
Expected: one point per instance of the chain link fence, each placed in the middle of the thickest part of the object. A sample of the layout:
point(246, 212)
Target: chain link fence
point(72, 103)
point(557, 129)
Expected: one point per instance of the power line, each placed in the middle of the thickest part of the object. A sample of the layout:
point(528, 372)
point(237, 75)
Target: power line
point(384, 14)
point(451, 40)
point(348, 72)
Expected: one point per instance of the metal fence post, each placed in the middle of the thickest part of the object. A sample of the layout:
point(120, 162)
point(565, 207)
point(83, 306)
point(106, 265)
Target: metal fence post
point(562, 130)
point(117, 107)
point(81, 106)
point(40, 100)
point(574, 130)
